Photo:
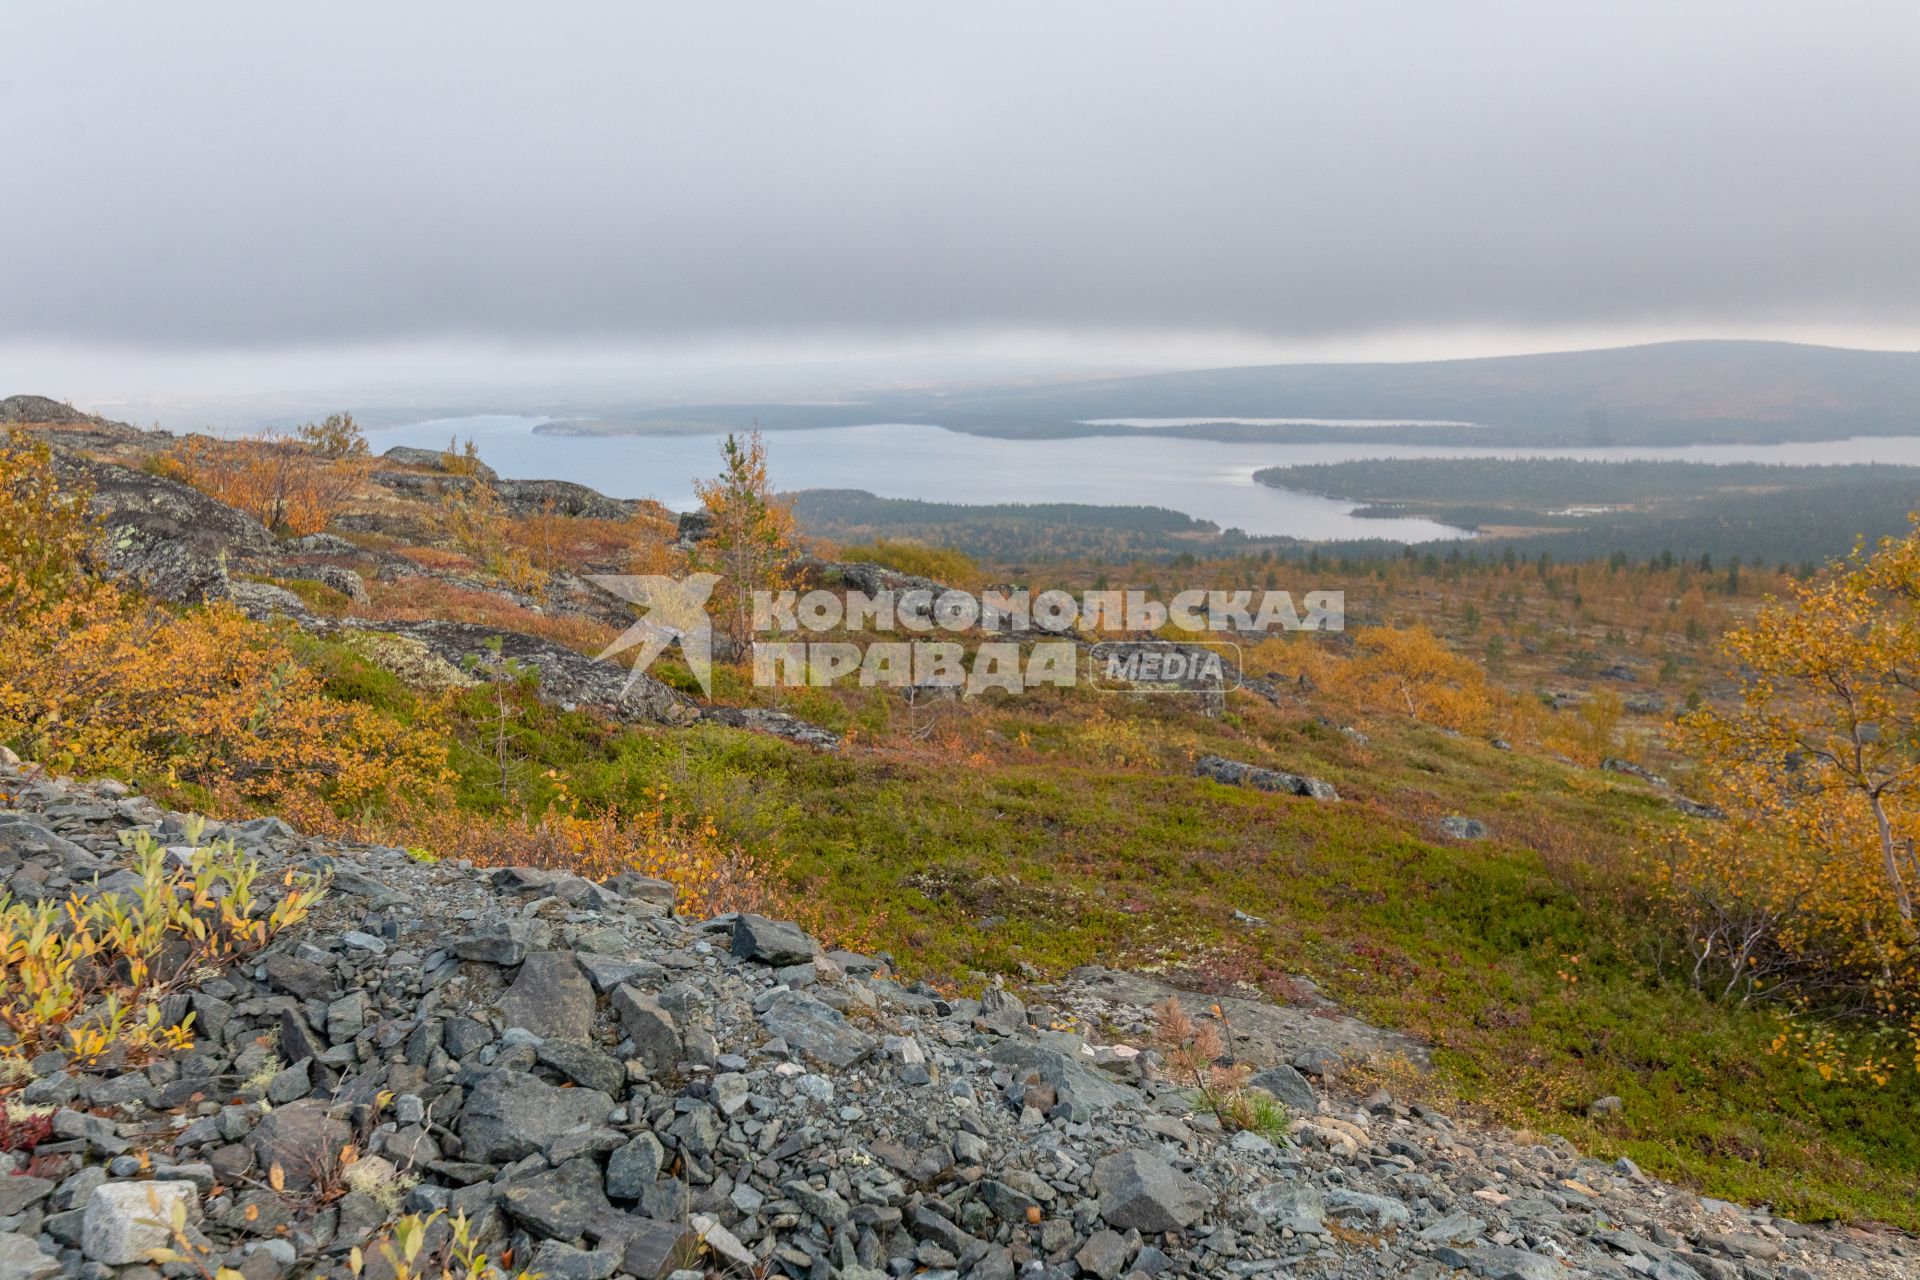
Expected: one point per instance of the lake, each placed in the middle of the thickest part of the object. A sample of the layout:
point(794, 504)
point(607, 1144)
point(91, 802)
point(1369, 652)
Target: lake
point(1210, 479)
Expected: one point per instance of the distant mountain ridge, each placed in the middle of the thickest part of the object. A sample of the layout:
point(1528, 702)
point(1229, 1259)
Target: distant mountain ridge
point(1665, 393)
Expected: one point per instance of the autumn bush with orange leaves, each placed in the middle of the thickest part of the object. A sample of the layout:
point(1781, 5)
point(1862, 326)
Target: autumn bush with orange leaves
point(1407, 671)
point(295, 483)
point(96, 679)
point(1196, 1053)
point(1805, 895)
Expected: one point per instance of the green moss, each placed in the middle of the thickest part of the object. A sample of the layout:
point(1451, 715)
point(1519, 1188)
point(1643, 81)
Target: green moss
point(1531, 972)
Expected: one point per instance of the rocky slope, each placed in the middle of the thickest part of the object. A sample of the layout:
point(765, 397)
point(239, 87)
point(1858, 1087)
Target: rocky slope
point(173, 542)
point(610, 1089)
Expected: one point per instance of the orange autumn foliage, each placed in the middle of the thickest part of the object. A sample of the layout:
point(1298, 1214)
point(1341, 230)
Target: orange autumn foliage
point(1410, 671)
point(294, 484)
point(1806, 892)
point(96, 679)
point(714, 874)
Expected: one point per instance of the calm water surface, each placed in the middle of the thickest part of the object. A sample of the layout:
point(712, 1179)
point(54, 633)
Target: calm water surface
point(1209, 479)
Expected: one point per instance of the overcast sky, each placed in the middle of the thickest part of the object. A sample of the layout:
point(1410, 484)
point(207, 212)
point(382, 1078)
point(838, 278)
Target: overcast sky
point(214, 187)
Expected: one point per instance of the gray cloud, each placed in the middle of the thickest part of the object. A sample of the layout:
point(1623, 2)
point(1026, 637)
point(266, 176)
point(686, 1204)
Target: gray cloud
point(270, 175)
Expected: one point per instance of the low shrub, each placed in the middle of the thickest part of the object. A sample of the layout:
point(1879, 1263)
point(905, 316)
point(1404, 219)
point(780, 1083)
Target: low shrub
point(713, 873)
point(942, 564)
point(84, 974)
point(294, 484)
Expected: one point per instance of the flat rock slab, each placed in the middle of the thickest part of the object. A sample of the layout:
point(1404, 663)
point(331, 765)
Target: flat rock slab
point(550, 997)
point(1273, 1032)
point(817, 1029)
point(559, 1204)
point(512, 1114)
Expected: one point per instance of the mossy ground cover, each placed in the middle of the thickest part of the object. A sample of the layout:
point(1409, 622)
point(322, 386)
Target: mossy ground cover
point(1029, 836)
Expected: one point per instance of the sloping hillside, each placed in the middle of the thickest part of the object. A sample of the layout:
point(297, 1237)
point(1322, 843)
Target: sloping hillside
point(1663, 393)
point(1472, 886)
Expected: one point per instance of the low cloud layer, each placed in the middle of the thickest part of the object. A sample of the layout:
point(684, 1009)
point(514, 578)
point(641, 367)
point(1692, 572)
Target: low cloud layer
point(208, 176)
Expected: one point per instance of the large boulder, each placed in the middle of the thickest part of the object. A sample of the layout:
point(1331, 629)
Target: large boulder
point(566, 678)
point(512, 1114)
point(561, 1203)
point(1140, 1191)
point(774, 942)
point(442, 461)
point(166, 538)
point(560, 497)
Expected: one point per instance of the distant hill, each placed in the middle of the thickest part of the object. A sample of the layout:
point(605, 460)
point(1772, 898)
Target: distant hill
point(1665, 393)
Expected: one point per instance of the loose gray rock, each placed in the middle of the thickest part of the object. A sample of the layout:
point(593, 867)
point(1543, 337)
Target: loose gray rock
point(1289, 1086)
point(816, 1029)
point(635, 1167)
point(303, 1138)
point(21, 1259)
point(773, 942)
point(559, 1204)
point(1104, 1254)
point(582, 1063)
point(502, 944)
point(1238, 773)
point(1297, 1207)
point(1141, 1191)
point(655, 1034)
point(512, 1114)
point(550, 997)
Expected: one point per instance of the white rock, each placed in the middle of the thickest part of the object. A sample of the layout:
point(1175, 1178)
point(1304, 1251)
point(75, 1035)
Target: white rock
point(20, 1256)
point(126, 1221)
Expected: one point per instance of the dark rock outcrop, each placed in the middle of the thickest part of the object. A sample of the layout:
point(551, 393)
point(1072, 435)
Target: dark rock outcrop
point(565, 677)
point(402, 455)
point(1237, 773)
point(561, 497)
point(163, 537)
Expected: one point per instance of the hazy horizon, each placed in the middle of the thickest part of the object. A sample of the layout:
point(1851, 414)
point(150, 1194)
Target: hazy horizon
point(258, 202)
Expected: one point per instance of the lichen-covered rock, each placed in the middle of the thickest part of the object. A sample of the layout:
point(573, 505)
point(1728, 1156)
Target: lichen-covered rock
point(162, 536)
point(564, 677)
